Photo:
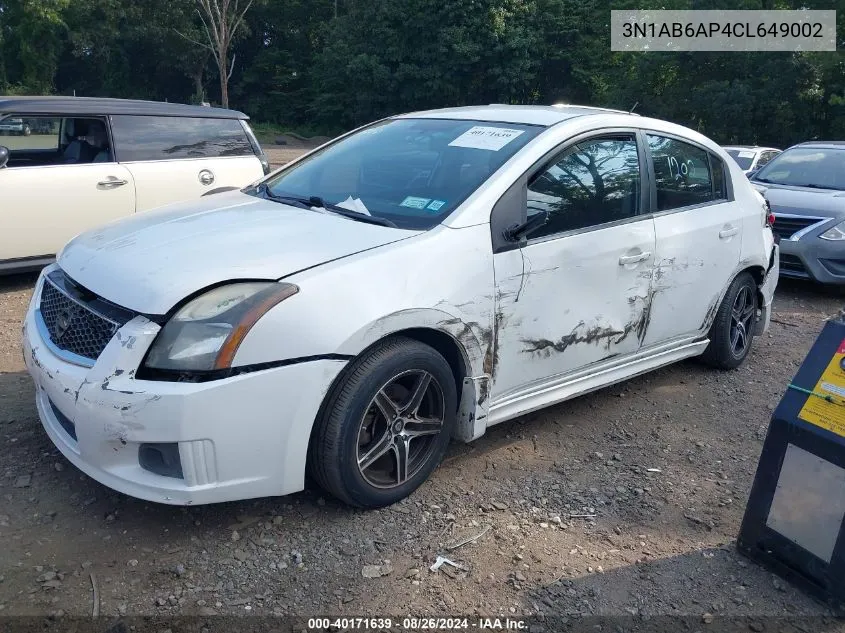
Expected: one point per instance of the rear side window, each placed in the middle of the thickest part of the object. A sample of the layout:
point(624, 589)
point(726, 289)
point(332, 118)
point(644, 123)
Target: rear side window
point(681, 173)
point(139, 138)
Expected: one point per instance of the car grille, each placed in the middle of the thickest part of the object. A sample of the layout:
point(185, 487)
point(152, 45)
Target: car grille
point(787, 226)
point(791, 265)
point(73, 326)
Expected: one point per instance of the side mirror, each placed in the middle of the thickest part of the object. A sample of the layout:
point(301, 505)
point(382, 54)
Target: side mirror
point(517, 232)
point(4, 156)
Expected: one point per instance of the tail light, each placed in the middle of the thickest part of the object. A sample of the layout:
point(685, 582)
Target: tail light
point(770, 216)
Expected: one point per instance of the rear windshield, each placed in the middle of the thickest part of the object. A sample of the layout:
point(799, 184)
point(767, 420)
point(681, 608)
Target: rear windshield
point(806, 167)
point(139, 138)
point(742, 157)
point(413, 172)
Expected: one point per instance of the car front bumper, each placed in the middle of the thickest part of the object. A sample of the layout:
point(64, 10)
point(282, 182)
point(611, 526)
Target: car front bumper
point(814, 259)
point(236, 438)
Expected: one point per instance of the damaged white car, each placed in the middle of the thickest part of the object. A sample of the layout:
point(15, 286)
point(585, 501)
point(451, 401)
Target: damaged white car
point(421, 278)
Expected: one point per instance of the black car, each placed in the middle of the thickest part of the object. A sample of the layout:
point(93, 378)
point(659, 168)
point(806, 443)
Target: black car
point(805, 186)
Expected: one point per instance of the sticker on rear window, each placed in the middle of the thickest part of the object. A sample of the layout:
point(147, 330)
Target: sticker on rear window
point(435, 205)
point(746, 154)
point(415, 203)
point(485, 137)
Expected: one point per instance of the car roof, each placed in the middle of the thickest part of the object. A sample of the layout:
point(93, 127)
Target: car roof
point(524, 114)
point(822, 144)
point(756, 148)
point(98, 106)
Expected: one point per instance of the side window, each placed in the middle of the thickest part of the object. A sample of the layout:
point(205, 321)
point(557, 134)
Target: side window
point(592, 182)
point(139, 138)
point(765, 157)
point(30, 136)
point(681, 173)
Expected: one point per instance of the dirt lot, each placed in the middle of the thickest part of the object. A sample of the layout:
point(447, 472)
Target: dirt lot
point(575, 523)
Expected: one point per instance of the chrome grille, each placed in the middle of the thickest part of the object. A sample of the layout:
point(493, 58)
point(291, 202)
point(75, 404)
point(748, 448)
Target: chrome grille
point(787, 225)
point(72, 325)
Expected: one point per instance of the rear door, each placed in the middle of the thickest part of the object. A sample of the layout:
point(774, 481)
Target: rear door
point(698, 227)
point(181, 158)
point(43, 204)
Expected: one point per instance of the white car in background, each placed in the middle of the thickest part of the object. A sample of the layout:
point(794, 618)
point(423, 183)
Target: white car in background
point(421, 278)
point(751, 158)
point(79, 162)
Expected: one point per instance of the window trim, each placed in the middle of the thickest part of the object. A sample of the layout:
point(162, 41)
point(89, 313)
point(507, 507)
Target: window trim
point(729, 190)
point(505, 214)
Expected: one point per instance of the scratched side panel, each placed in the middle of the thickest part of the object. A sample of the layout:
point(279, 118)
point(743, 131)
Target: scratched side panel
point(442, 279)
point(566, 303)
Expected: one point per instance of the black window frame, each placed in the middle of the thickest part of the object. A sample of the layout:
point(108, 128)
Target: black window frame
point(726, 173)
point(512, 206)
point(117, 151)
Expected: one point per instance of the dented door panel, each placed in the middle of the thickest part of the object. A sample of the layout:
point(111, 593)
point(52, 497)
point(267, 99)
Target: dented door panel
point(568, 302)
point(695, 261)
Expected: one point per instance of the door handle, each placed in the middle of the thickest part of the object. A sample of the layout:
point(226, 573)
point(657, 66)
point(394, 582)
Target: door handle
point(634, 259)
point(206, 177)
point(111, 182)
point(728, 232)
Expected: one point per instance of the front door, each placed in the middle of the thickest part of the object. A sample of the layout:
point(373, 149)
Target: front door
point(44, 206)
point(699, 238)
point(577, 293)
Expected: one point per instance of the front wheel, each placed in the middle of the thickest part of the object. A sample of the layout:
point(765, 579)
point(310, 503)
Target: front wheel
point(386, 425)
point(731, 334)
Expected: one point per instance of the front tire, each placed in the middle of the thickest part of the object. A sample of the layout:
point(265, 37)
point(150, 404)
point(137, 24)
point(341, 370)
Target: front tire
point(731, 334)
point(386, 425)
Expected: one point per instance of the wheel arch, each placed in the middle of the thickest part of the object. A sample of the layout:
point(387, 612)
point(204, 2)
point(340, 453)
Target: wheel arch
point(452, 338)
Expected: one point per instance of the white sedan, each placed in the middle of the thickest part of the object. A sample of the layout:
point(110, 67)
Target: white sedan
point(419, 279)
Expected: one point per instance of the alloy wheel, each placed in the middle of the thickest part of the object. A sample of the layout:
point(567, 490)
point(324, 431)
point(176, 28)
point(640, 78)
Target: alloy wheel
point(399, 429)
point(742, 314)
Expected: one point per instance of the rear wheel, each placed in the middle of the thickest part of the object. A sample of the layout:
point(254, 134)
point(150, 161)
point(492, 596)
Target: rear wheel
point(731, 334)
point(386, 426)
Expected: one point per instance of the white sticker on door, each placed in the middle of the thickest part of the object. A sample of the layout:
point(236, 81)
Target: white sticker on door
point(485, 137)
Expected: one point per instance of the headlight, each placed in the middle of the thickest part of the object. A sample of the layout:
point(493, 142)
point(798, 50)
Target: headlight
point(835, 233)
point(206, 332)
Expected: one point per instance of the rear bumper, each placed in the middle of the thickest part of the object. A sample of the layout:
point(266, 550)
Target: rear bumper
point(767, 291)
point(813, 259)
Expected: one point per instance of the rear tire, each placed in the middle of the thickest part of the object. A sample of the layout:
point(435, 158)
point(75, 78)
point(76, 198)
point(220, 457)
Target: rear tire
point(731, 333)
point(386, 425)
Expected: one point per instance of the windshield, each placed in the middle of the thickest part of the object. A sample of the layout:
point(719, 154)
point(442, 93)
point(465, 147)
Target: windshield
point(742, 157)
point(411, 172)
point(806, 167)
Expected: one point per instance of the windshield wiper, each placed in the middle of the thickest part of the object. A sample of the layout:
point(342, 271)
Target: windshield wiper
point(815, 186)
point(316, 201)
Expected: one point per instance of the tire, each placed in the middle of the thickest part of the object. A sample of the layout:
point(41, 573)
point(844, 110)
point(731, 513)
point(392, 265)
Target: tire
point(371, 412)
point(731, 333)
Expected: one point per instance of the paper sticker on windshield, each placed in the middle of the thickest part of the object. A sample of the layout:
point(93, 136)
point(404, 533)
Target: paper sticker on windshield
point(746, 154)
point(485, 137)
point(435, 205)
point(415, 203)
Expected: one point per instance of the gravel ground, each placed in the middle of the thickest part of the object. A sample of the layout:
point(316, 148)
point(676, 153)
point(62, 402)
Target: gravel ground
point(573, 516)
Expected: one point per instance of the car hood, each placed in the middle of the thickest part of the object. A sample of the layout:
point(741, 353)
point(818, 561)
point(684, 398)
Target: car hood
point(151, 261)
point(824, 203)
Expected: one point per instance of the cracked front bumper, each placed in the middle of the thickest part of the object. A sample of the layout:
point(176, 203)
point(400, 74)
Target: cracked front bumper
point(236, 438)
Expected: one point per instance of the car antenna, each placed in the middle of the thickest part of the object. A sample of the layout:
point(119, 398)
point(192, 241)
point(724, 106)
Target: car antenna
point(631, 111)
